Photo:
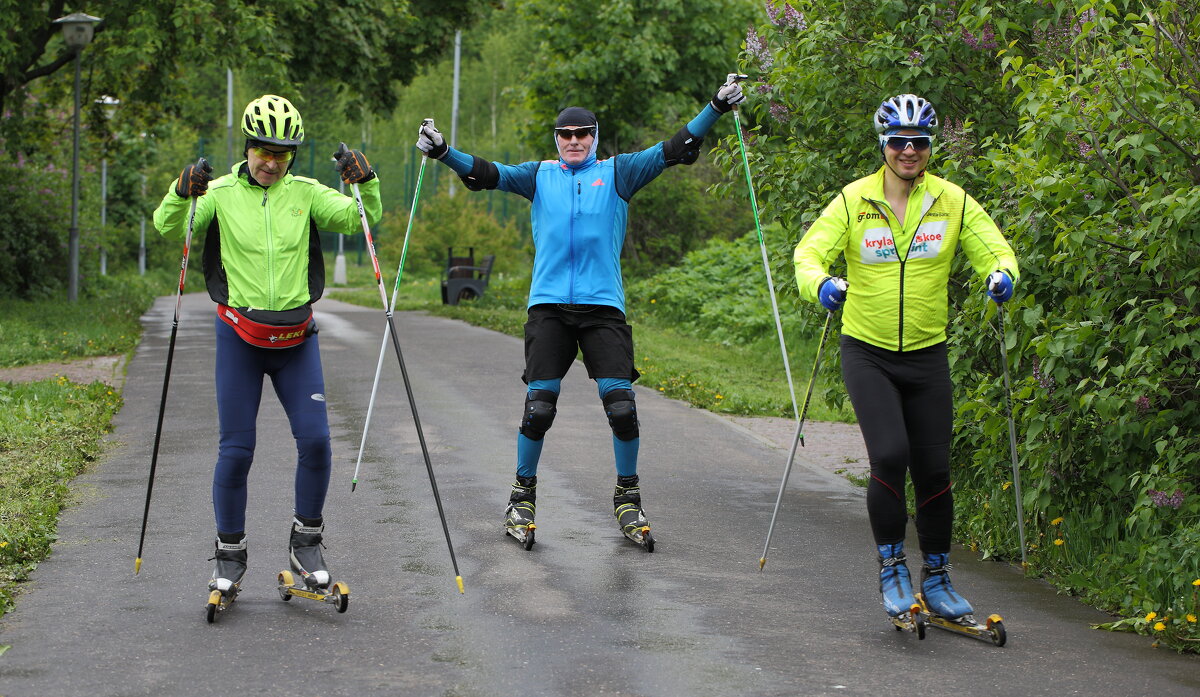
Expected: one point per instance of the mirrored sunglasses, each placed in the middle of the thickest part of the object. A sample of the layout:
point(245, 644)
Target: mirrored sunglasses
point(263, 153)
point(580, 133)
point(901, 143)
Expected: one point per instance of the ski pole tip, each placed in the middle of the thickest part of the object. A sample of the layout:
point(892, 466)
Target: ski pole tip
point(761, 563)
point(137, 565)
point(458, 580)
point(353, 485)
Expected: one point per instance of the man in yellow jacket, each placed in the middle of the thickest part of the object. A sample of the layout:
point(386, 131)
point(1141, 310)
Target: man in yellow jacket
point(264, 269)
point(898, 230)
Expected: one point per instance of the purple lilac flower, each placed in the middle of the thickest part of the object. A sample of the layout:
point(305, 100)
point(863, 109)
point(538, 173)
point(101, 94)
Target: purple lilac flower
point(1143, 404)
point(1160, 498)
point(779, 112)
point(1046, 381)
point(790, 17)
point(758, 48)
point(916, 57)
point(985, 41)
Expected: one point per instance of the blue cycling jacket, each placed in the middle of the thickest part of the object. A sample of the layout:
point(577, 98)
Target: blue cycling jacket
point(579, 215)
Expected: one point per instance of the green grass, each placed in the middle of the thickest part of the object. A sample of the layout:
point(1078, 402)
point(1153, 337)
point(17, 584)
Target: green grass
point(49, 432)
point(103, 322)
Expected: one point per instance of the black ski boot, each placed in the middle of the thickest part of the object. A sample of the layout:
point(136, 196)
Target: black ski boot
point(627, 507)
point(518, 517)
point(231, 564)
point(305, 552)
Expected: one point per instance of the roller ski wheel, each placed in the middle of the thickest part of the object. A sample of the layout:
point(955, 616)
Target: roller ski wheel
point(912, 621)
point(219, 602)
point(525, 534)
point(641, 536)
point(990, 630)
point(338, 594)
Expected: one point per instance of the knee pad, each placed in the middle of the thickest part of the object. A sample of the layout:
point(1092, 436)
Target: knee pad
point(622, 414)
point(539, 413)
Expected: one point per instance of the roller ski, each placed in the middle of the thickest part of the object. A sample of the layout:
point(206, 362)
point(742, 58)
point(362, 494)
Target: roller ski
point(518, 517)
point(226, 580)
point(627, 507)
point(308, 565)
point(946, 609)
point(895, 587)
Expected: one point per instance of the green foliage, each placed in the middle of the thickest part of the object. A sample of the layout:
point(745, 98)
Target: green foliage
point(641, 66)
point(459, 222)
point(104, 321)
point(49, 432)
point(1076, 124)
point(32, 262)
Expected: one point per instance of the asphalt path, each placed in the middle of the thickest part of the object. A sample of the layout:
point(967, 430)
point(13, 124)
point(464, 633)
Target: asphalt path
point(584, 613)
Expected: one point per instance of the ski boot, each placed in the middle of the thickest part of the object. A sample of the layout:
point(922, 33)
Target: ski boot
point(307, 561)
point(896, 588)
point(518, 517)
point(627, 507)
point(949, 610)
point(226, 580)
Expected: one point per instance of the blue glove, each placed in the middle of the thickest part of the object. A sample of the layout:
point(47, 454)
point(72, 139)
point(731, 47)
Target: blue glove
point(833, 293)
point(1000, 287)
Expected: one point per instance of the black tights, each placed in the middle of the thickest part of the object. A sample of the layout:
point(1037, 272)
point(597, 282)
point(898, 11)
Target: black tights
point(904, 404)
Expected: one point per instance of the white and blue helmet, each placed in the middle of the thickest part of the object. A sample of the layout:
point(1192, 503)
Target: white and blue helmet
point(905, 111)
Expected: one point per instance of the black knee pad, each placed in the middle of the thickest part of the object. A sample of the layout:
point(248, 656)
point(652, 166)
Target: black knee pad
point(539, 413)
point(622, 414)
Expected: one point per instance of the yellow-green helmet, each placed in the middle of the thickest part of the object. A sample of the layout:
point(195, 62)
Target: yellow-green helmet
point(272, 119)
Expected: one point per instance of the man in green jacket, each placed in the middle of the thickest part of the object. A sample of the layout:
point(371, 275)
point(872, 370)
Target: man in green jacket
point(264, 269)
point(898, 230)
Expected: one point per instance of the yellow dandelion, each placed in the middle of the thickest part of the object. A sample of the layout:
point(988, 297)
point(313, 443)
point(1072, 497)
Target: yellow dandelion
point(5, 544)
point(1006, 485)
point(1151, 616)
point(1056, 521)
point(720, 397)
point(1196, 582)
point(1191, 618)
point(1058, 542)
point(1159, 626)
point(652, 301)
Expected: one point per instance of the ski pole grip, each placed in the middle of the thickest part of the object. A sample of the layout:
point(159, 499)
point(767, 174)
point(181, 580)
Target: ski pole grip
point(735, 77)
point(427, 122)
point(342, 150)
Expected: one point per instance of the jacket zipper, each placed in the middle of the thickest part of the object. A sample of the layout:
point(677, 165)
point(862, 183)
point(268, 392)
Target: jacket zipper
point(575, 203)
point(270, 252)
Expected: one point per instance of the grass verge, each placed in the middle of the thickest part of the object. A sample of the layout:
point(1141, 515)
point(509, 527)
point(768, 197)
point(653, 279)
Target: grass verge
point(49, 431)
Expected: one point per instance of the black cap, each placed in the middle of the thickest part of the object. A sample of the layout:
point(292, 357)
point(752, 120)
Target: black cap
point(575, 116)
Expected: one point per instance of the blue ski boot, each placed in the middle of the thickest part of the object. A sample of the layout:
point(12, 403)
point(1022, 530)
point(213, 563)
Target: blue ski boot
point(894, 581)
point(940, 597)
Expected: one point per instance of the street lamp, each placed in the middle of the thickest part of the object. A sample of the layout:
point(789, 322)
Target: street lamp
point(109, 106)
point(78, 29)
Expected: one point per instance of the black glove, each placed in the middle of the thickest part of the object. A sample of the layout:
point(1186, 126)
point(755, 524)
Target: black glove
point(194, 179)
point(729, 95)
point(353, 166)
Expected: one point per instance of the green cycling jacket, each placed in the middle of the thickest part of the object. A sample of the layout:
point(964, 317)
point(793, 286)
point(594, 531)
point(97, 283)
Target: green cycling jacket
point(899, 301)
point(261, 247)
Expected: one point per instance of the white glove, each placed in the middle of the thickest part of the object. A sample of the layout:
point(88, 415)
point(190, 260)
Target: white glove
point(730, 94)
point(430, 140)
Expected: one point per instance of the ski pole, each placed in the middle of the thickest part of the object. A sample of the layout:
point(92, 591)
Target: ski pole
point(1012, 434)
point(395, 292)
point(162, 404)
point(797, 439)
point(391, 325)
point(787, 368)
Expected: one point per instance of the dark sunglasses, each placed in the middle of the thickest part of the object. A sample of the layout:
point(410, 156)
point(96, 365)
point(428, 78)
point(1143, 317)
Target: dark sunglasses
point(901, 143)
point(580, 133)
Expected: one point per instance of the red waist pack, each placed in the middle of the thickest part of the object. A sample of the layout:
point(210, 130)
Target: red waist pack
point(270, 328)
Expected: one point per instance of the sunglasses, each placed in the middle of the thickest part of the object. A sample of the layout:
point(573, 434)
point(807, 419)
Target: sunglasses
point(263, 153)
point(580, 133)
point(901, 143)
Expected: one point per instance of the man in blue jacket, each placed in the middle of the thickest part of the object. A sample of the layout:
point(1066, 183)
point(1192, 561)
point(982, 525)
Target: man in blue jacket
point(577, 297)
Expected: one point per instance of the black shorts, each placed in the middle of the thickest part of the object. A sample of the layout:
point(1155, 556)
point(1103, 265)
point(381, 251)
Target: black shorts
point(554, 334)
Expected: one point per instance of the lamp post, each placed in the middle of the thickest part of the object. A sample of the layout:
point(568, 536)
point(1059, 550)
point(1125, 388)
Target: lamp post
point(78, 29)
point(109, 105)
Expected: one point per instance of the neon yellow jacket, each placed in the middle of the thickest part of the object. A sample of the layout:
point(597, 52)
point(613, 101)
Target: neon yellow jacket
point(899, 302)
point(261, 247)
